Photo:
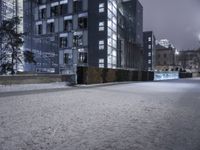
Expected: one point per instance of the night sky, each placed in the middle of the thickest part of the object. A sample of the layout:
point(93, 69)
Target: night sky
point(176, 20)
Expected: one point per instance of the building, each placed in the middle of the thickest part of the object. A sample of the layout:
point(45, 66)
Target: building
point(165, 58)
point(189, 60)
point(149, 53)
point(8, 10)
point(165, 43)
point(11, 8)
point(64, 34)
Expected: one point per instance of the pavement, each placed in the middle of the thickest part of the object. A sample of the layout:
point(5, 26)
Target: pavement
point(162, 115)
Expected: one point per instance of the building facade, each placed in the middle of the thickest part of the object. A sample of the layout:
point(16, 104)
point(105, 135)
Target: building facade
point(189, 60)
point(165, 58)
point(149, 53)
point(64, 34)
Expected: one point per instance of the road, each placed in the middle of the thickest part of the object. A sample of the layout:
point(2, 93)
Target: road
point(137, 116)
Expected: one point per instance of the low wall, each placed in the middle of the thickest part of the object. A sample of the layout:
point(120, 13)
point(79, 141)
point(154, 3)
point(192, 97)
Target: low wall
point(32, 79)
point(185, 75)
point(196, 74)
point(92, 75)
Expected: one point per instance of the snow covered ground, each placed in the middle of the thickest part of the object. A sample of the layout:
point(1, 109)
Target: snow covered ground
point(139, 116)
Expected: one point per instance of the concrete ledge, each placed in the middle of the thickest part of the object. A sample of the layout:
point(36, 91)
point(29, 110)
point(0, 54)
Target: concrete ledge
point(31, 79)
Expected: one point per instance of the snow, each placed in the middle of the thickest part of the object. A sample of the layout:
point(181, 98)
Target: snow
point(136, 116)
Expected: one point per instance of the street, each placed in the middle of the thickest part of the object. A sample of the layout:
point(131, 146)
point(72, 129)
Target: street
point(163, 115)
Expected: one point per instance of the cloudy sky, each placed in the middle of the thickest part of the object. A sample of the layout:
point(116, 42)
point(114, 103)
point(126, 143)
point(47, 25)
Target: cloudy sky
point(176, 20)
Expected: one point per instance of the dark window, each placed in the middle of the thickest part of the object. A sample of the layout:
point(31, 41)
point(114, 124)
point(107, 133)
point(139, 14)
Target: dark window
point(165, 55)
point(77, 6)
point(77, 40)
point(42, 13)
point(83, 22)
point(67, 25)
point(39, 29)
point(54, 11)
point(50, 27)
point(63, 9)
point(66, 58)
point(82, 57)
point(63, 42)
point(41, 2)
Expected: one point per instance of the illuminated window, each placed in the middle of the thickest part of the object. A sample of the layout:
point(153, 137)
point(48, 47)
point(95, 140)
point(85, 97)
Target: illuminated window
point(101, 26)
point(101, 45)
point(149, 46)
point(149, 39)
point(149, 54)
point(101, 63)
point(101, 7)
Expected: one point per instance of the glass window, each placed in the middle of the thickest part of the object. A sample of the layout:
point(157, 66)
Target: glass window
point(68, 25)
point(77, 6)
point(50, 27)
point(101, 7)
point(149, 39)
point(82, 57)
point(101, 45)
point(54, 11)
point(149, 46)
point(63, 42)
point(82, 22)
point(101, 63)
point(101, 26)
point(149, 54)
point(149, 61)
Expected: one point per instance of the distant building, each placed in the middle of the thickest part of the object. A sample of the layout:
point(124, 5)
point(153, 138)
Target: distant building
point(165, 58)
point(165, 43)
point(189, 60)
point(149, 53)
point(64, 34)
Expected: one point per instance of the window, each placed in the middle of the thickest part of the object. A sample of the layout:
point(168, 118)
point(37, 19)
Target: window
point(101, 63)
point(78, 39)
point(101, 26)
point(149, 61)
point(165, 55)
point(68, 25)
point(77, 6)
point(41, 2)
point(42, 13)
point(149, 46)
point(101, 7)
point(149, 54)
point(39, 29)
point(82, 57)
point(101, 45)
point(54, 11)
point(50, 27)
point(64, 9)
point(149, 39)
point(63, 42)
point(67, 58)
point(82, 22)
